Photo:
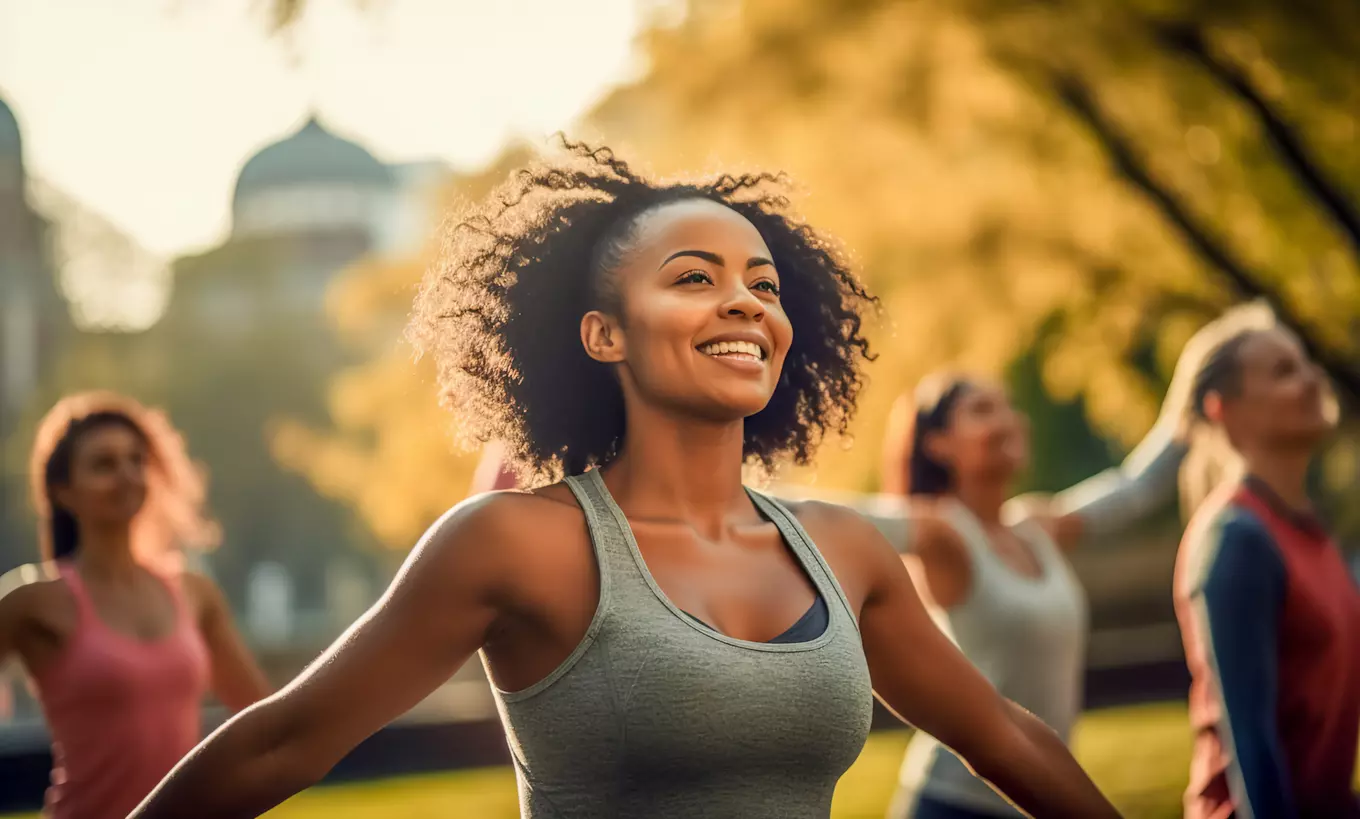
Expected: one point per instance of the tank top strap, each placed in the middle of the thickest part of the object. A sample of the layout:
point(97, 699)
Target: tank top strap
point(805, 550)
point(173, 582)
point(988, 566)
point(85, 612)
point(1045, 548)
point(972, 534)
point(609, 536)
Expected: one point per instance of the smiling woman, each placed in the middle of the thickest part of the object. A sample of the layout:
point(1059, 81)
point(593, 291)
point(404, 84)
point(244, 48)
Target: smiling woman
point(520, 270)
point(661, 640)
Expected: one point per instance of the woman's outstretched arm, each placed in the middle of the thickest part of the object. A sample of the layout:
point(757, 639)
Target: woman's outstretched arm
point(433, 617)
point(1103, 506)
point(236, 678)
point(1099, 509)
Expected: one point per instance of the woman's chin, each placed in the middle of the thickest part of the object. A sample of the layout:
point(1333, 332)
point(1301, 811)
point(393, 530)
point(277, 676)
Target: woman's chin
point(736, 404)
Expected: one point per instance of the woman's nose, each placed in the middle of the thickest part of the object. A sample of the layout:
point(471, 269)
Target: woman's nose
point(742, 302)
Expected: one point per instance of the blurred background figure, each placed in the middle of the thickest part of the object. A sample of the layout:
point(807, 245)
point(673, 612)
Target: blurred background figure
point(1269, 612)
point(121, 643)
point(994, 571)
point(1002, 591)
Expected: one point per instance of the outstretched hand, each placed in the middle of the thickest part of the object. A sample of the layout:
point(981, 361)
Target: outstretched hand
point(1042, 510)
point(1031, 506)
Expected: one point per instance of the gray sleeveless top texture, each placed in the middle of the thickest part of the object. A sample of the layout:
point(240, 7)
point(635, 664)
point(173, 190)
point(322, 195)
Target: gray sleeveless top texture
point(656, 715)
point(1027, 635)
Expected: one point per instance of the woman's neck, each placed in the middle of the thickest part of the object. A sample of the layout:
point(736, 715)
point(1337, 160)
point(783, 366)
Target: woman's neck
point(1286, 473)
point(681, 469)
point(106, 552)
point(984, 499)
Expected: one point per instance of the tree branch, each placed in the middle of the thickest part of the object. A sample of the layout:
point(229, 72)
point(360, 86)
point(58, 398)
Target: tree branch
point(1077, 98)
point(1190, 40)
point(1107, 273)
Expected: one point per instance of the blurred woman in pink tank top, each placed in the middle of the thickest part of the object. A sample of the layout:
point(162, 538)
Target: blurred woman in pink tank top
point(121, 644)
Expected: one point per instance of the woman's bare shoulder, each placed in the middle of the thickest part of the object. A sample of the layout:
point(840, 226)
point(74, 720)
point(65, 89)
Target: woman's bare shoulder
point(923, 521)
point(514, 512)
point(855, 545)
point(515, 524)
point(34, 590)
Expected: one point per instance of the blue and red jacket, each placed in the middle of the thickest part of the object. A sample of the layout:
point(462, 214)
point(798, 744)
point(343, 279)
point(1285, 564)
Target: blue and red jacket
point(1270, 617)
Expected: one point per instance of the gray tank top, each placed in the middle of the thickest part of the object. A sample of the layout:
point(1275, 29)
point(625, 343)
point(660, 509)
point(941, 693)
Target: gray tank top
point(654, 714)
point(1026, 635)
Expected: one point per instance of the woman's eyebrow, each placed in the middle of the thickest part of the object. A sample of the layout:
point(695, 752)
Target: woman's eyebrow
point(711, 258)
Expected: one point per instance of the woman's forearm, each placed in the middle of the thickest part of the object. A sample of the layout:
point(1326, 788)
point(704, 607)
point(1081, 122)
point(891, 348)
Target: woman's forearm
point(242, 770)
point(1109, 503)
point(1040, 776)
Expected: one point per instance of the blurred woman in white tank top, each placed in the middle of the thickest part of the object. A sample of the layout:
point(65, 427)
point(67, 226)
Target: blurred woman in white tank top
point(993, 574)
point(1001, 590)
point(993, 571)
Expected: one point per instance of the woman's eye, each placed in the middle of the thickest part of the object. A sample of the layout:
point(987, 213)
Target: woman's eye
point(695, 277)
point(768, 286)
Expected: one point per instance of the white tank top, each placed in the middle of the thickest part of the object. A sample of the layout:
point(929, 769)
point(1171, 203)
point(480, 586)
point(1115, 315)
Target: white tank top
point(1027, 635)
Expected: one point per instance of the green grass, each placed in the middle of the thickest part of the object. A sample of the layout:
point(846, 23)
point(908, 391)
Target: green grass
point(1138, 756)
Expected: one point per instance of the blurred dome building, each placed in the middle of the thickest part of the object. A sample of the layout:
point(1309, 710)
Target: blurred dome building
point(310, 180)
point(304, 208)
point(247, 342)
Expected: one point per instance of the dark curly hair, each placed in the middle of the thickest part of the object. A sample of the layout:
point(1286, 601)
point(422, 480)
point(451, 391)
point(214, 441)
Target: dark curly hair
point(500, 314)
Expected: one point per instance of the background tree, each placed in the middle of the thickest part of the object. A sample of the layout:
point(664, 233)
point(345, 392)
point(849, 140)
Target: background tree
point(1059, 193)
point(1085, 179)
point(383, 452)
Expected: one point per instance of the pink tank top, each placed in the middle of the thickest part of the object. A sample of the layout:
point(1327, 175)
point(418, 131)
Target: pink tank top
point(121, 711)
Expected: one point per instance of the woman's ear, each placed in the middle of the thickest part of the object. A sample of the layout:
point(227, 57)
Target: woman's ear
point(1213, 406)
point(61, 497)
point(936, 445)
point(602, 337)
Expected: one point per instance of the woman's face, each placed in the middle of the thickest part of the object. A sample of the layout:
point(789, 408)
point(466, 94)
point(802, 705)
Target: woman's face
point(1283, 399)
point(108, 477)
point(702, 329)
point(985, 438)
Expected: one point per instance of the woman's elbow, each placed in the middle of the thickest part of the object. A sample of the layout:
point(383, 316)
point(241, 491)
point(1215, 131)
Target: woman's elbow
point(1019, 737)
point(293, 749)
point(291, 745)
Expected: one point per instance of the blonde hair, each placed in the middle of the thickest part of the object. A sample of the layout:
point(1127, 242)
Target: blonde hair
point(1211, 363)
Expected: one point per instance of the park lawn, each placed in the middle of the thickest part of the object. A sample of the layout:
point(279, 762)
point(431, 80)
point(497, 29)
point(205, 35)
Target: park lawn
point(1138, 756)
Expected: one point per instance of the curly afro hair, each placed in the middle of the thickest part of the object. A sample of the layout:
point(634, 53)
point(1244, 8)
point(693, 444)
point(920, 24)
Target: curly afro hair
point(500, 314)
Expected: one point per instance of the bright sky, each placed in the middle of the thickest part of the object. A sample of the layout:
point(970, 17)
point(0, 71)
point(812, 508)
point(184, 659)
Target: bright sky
point(144, 110)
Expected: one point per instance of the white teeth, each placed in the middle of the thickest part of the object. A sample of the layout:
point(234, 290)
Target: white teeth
point(742, 348)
